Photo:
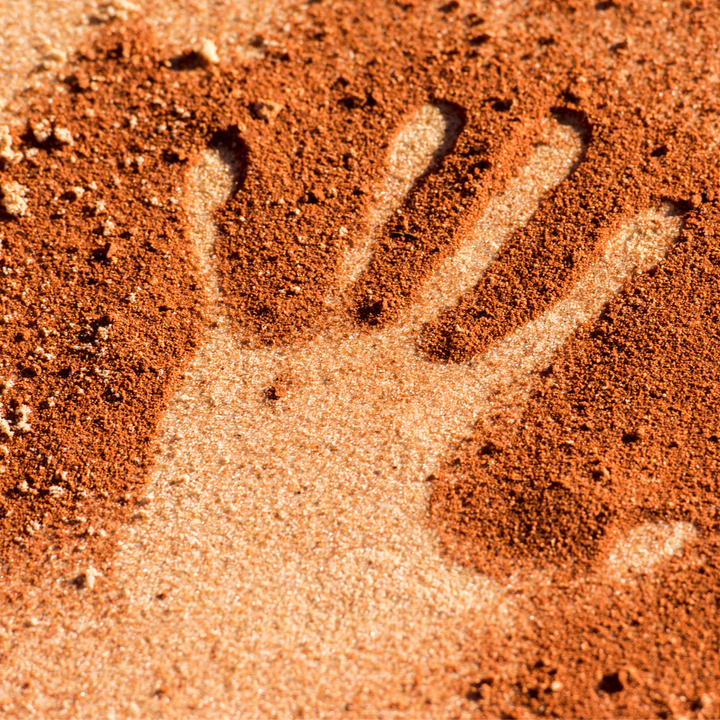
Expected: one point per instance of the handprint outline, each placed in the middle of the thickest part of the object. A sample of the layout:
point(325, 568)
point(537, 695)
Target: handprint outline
point(312, 459)
point(271, 380)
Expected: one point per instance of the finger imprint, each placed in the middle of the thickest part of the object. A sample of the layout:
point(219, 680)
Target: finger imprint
point(648, 545)
point(209, 183)
point(416, 149)
point(551, 162)
point(636, 247)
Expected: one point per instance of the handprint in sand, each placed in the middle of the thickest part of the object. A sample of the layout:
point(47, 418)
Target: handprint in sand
point(289, 500)
point(381, 282)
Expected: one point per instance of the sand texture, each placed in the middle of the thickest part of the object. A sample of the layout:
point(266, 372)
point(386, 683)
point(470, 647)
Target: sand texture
point(281, 562)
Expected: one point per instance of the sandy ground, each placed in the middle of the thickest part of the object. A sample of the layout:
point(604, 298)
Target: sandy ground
point(282, 563)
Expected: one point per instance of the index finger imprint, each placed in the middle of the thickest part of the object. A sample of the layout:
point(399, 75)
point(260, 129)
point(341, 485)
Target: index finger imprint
point(637, 246)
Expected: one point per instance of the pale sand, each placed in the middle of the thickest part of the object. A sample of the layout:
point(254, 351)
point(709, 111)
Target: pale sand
point(290, 538)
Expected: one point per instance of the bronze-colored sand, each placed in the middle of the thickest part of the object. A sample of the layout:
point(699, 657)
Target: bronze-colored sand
point(246, 362)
